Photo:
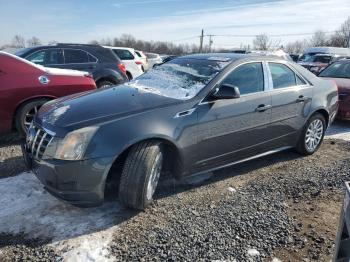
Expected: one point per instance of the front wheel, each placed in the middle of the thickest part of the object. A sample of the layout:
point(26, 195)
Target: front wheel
point(104, 84)
point(140, 175)
point(26, 114)
point(312, 135)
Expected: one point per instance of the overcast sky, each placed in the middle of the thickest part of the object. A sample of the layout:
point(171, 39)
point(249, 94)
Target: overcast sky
point(170, 20)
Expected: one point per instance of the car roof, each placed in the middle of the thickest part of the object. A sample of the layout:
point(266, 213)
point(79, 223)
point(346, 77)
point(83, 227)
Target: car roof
point(230, 57)
point(119, 47)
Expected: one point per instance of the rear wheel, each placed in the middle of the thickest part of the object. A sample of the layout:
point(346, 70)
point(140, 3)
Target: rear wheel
point(26, 114)
point(104, 84)
point(312, 135)
point(140, 175)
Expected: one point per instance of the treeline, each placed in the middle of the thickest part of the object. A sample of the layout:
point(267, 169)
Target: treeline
point(340, 38)
point(159, 47)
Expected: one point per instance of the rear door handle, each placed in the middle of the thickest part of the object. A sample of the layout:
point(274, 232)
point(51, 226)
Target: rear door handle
point(301, 98)
point(262, 108)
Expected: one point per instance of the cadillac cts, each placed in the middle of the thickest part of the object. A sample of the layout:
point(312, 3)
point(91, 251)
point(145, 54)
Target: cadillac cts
point(190, 115)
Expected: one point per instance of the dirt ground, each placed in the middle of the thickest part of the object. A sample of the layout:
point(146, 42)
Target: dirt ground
point(282, 206)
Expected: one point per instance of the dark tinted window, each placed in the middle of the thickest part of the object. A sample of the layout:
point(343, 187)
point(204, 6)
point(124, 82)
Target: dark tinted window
point(123, 54)
point(47, 57)
point(138, 54)
point(249, 78)
point(92, 59)
point(74, 56)
point(337, 70)
point(282, 76)
point(37, 57)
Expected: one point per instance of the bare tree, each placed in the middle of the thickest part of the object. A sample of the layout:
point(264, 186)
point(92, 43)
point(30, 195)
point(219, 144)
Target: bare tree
point(263, 42)
point(18, 41)
point(319, 39)
point(34, 41)
point(296, 47)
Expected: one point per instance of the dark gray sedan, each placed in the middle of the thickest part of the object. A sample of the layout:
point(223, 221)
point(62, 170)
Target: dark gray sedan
point(193, 114)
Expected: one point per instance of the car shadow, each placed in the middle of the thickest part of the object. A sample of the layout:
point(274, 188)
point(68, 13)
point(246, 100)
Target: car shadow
point(26, 208)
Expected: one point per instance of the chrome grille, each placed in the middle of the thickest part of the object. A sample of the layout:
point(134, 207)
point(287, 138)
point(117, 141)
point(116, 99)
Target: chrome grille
point(40, 142)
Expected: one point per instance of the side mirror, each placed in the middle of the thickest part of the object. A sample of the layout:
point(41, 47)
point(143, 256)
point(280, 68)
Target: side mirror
point(226, 91)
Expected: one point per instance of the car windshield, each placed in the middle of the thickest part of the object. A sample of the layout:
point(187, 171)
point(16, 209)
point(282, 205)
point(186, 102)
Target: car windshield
point(337, 70)
point(181, 78)
point(317, 58)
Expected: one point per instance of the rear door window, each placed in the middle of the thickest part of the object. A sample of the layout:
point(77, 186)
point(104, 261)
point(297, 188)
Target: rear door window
point(282, 76)
point(75, 56)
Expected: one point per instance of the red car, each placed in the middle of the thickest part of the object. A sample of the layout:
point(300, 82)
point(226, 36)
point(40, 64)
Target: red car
point(25, 87)
point(340, 73)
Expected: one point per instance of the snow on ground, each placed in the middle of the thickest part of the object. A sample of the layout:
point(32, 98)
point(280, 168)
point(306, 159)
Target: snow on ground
point(80, 234)
point(339, 130)
point(84, 234)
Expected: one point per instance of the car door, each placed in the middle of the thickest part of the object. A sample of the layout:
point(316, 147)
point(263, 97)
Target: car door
point(79, 60)
point(234, 129)
point(291, 101)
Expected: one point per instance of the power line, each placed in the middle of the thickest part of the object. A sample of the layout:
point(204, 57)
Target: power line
point(251, 35)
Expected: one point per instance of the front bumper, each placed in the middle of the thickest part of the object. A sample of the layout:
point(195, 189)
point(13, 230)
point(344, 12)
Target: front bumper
point(80, 183)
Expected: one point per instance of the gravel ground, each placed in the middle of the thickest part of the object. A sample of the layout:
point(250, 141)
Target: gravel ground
point(282, 206)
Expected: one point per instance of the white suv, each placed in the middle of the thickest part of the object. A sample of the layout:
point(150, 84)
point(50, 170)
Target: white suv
point(153, 59)
point(132, 62)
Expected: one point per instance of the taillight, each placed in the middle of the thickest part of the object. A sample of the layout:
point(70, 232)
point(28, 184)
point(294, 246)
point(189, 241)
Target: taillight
point(138, 62)
point(122, 68)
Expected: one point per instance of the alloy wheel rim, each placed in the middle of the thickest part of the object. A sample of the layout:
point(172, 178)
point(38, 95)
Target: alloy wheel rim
point(154, 177)
point(30, 116)
point(314, 135)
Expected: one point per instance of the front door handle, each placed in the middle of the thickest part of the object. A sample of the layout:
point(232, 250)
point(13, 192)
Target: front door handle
point(262, 108)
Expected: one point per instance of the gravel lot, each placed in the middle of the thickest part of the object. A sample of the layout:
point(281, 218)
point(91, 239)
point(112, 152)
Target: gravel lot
point(283, 207)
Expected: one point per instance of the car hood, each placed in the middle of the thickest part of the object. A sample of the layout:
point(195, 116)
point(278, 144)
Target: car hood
point(93, 108)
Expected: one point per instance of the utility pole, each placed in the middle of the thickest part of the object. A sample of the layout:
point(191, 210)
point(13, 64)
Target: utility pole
point(201, 42)
point(210, 42)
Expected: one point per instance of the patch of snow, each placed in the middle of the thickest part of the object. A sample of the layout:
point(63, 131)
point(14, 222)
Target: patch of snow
point(275, 259)
point(65, 72)
point(84, 233)
point(339, 130)
point(231, 189)
point(253, 252)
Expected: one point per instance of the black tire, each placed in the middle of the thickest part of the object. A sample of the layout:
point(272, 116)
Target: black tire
point(140, 175)
point(302, 147)
point(104, 84)
point(128, 74)
point(26, 113)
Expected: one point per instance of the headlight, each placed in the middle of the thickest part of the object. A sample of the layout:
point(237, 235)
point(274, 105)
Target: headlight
point(73, 146)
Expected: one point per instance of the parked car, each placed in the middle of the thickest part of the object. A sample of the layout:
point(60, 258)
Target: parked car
point(340, 73)
point(25, 87)
point(132, 64)
point(194, 114)
point(317, 63)
point(167, 58)
point(309, 52)
point(153, 59)
point(141, 55)
point(102, 63)
point(295, 57)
